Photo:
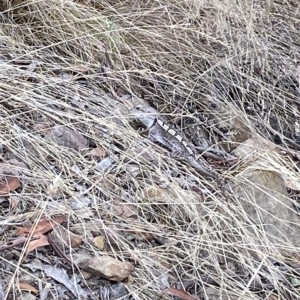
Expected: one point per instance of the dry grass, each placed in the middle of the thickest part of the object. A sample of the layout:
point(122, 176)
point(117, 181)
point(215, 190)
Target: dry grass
point(185, 57)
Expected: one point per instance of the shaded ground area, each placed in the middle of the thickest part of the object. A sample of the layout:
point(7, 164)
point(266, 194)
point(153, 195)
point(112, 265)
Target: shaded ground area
point(92, 209)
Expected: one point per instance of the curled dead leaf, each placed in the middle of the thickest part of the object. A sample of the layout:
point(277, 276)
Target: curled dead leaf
point(28, 287)
point(97, 152)
point(125, 210)
point(41, 240)
point(11, 183)
point(178, 293)
point(67, 137)
point(41, 227)
point(65, 238)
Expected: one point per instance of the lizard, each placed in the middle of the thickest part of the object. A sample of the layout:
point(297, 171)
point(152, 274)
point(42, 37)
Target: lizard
point(161, 132)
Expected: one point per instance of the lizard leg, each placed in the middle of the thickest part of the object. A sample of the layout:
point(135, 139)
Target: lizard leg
point(178, 150)
point(203, 167)
point(152, 136)
point(216, 154)
point(176, 153)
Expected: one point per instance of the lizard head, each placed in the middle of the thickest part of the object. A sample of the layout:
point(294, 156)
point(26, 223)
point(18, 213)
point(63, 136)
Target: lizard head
point(145, 114)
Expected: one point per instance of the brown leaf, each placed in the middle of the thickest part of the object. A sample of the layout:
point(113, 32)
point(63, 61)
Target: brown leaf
point(42, 127)
point(11, 183)
point(41, 241)
point(27, 287)
point(42, 227)
point(64, 136)
point(178, 293)
point(97, 152)
point(99, 242)
point(78, 68)
point(63, 238)
point(125, 210)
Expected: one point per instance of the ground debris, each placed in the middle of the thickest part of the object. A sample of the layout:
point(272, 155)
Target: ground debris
point(67, 137)
point(9, 184)
point(105, 266)
point(64, 238)
point(60, 275)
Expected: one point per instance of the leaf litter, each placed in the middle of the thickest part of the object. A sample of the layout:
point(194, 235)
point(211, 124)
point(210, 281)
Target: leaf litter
point(41, 227)
point(60, 275)
point(9, 184)
point(27, 287)
point(37, 233)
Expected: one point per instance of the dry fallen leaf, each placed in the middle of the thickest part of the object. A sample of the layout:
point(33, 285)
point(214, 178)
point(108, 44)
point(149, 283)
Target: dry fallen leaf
point(178, 293)
point(99, 242)
point(41, 241)
point(60, 275)
point(27, 287)
point(42, 127)
point(271, 209)
point(41, 227)
point(67, 137)
point(78, 68)
point(97, 152)
point(11, 183)
point(63, 238)
point(125, 210)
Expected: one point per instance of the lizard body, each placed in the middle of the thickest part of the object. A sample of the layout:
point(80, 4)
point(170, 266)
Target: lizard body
point(159, 131)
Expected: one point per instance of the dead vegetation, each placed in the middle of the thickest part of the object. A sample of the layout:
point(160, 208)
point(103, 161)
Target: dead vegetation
point(129, 222)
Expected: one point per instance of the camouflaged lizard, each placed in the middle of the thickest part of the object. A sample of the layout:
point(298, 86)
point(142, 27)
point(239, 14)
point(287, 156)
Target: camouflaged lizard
point(159, 131)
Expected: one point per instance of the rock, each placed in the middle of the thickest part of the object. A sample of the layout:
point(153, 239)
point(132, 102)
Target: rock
point(264, 198)
point(263, 193)
point(105, 266)
point(86, 275)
